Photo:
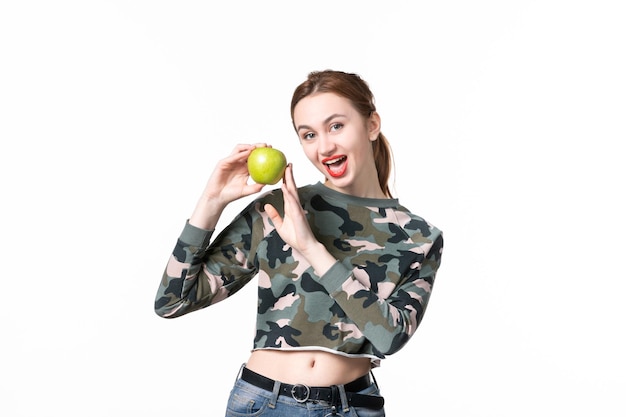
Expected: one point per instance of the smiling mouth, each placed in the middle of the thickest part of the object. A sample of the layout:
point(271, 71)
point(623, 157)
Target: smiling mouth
point(336, 165)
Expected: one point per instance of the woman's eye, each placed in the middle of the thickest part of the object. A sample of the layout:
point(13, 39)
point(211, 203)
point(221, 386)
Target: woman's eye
point(336, 126)
point(307, 136)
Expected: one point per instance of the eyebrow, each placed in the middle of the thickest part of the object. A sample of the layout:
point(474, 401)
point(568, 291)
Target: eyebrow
point(326, 120)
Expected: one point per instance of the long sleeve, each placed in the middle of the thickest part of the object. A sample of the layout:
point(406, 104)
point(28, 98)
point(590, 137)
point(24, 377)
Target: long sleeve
point(387, 321)
point(198, 275)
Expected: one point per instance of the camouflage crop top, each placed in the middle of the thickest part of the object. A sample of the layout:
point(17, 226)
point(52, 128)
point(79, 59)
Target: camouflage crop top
point(368, 304)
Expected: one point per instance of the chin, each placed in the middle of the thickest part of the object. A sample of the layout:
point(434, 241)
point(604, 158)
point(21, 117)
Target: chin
point(339, 184)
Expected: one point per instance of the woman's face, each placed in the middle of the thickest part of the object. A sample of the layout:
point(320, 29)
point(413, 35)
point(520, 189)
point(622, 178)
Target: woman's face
point(338, 141)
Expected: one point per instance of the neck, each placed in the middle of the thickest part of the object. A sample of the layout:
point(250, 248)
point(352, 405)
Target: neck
point(370, 190)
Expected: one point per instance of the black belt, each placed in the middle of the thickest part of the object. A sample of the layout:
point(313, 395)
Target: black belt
point(303, 393)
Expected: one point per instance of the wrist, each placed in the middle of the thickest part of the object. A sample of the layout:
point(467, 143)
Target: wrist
point(318, 256)
point(206, 213)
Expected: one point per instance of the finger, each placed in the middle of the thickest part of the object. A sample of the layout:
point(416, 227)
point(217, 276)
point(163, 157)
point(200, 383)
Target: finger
point(287, 197)
point(290, 183)
point(293, 209)
point(273, 215)
point(288, 177)
point(240, 154)
point(252, 188)
point(242, 147)
point(243, 151)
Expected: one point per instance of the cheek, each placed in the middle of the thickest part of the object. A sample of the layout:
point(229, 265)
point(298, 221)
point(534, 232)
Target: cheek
point(310, 153)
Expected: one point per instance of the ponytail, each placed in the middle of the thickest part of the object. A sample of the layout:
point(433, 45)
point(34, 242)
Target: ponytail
point(383, 157)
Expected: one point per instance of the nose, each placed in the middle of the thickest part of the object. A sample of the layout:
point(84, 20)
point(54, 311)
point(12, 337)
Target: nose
point(326, 146)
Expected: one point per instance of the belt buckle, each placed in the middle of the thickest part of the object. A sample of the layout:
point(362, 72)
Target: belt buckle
point(298, 398)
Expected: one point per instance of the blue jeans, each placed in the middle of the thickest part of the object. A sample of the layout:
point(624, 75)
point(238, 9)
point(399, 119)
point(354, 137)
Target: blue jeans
point(247, 400)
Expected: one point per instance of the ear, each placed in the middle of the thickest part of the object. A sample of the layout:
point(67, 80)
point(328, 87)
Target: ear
point(373, 125)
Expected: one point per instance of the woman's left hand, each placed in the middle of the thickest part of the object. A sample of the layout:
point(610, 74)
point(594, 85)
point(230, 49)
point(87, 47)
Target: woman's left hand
point(293, 228)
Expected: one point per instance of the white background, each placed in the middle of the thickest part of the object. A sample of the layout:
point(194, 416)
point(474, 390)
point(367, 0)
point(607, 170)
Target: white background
point(507, 121)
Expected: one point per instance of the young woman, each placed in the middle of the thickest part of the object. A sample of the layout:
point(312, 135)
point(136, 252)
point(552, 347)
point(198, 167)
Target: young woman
point(344, 271)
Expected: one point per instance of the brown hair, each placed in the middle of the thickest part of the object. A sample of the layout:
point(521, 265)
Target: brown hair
point(355, 89)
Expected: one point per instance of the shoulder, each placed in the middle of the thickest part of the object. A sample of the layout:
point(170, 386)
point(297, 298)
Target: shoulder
point(416, 230)
point(417, 224)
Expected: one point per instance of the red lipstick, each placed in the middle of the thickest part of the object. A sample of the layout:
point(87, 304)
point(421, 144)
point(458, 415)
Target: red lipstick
point(336, 165)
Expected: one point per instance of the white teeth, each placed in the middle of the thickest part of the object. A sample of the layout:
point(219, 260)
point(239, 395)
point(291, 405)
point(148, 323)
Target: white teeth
point(333, 161)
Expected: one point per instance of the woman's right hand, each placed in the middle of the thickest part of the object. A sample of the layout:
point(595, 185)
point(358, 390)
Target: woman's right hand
point(227, 183)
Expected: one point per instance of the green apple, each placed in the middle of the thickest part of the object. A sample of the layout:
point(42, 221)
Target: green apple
point(266, 165)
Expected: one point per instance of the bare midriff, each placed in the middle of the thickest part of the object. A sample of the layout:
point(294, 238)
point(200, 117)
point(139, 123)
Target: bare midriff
point(310, 367)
